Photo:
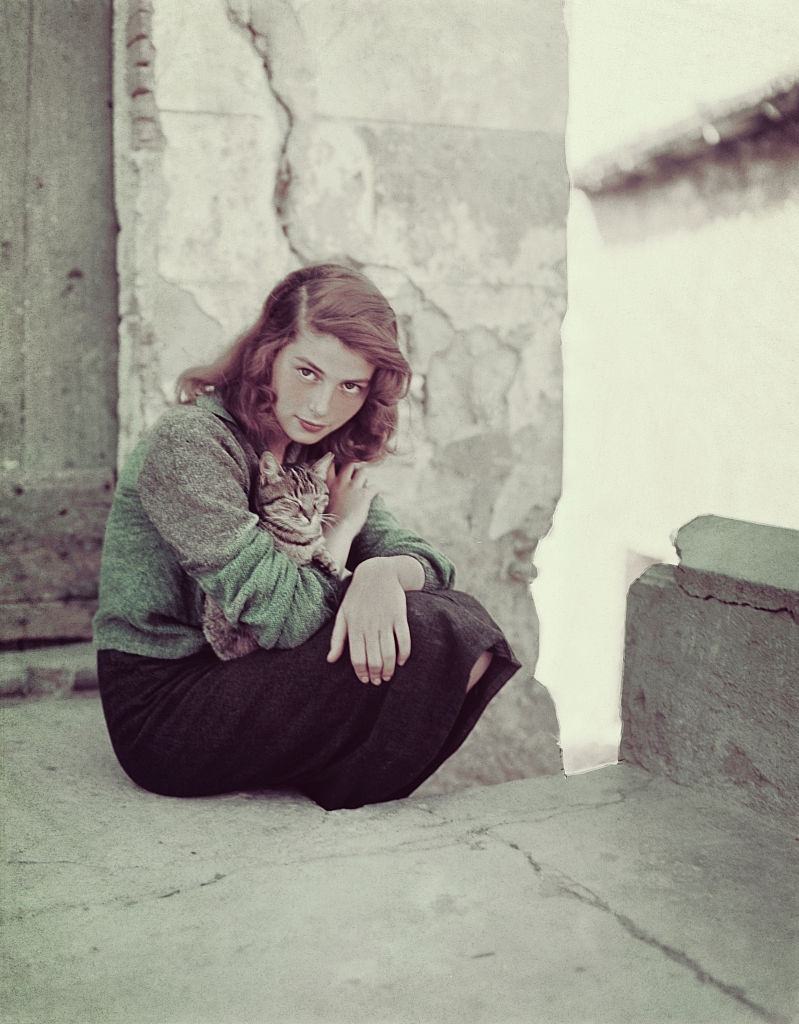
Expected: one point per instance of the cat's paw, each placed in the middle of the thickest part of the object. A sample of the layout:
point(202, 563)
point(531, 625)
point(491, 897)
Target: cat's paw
point(326, 560)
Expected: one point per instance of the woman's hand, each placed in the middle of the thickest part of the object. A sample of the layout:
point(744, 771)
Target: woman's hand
point(348, 507)
point(350, 496)
point(374, 617)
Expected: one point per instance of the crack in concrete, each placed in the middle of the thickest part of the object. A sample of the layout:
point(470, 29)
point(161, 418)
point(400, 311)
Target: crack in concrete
point(587, 896)
point(211, 881)
point(80, 864)
point(572, 888)
point(283, 181)
point(418, 844)
point(792, 612)
point(118, 901)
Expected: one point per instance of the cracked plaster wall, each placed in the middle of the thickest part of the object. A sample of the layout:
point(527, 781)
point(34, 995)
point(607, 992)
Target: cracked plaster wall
point(679, 347)
point(424, 143)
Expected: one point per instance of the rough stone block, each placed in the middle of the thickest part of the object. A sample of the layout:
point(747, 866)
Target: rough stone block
point(710, 691)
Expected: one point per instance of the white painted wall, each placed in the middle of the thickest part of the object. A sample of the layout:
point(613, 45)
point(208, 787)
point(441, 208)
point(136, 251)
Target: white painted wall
point(681, 342)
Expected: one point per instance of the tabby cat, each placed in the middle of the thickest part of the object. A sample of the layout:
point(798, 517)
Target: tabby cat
point(290, 504)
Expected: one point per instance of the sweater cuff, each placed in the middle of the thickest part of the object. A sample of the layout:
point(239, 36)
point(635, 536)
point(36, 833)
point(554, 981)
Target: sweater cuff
point(432, 578)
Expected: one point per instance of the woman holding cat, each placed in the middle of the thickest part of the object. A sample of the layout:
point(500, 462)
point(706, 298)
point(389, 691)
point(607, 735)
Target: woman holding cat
point(370, 670)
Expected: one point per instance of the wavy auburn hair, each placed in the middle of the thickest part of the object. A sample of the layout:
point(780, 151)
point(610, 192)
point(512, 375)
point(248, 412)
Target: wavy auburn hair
point(324, 298)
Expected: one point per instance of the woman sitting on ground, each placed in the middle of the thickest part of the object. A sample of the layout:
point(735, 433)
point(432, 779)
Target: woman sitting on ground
point(320, 371)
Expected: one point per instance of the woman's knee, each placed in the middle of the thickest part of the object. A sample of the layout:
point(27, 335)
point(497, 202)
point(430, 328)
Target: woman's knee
point(479, 669)
point(423, 607)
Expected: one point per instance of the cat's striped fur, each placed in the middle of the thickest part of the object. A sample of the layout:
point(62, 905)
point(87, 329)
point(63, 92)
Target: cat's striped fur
point(290, 504)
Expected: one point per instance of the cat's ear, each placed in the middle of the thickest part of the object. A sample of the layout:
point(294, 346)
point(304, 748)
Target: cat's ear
point(322, 466)
point(270, 469)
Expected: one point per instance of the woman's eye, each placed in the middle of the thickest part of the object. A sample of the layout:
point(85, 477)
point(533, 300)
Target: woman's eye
point(352, 389)
point(306, 373)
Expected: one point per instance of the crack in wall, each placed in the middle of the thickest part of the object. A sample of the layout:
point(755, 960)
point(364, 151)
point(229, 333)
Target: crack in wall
point(426, 303)
point(283, 180)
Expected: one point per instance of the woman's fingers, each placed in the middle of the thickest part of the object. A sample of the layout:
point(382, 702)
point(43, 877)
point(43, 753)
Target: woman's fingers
point(388, 652)
point(358, 656)
point(374, 658)
point(373, 619)
point(403, 635)
point(337, 638)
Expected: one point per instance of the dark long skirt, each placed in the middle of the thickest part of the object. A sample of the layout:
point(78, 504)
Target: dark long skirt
point(197, 726)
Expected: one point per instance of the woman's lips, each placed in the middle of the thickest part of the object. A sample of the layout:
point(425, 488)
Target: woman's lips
point(312, 428)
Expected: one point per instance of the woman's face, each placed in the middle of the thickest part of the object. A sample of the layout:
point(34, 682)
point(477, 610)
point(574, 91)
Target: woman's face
point(319, 384)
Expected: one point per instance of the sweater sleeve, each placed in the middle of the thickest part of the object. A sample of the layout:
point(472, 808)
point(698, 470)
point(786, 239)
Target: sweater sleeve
point(382, 535)
point(194, 486)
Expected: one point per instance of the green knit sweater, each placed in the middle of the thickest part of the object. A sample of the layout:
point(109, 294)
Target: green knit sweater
point(181, 524)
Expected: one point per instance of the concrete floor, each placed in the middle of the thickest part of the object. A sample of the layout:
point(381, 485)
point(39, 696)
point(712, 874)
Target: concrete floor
point(610, 897)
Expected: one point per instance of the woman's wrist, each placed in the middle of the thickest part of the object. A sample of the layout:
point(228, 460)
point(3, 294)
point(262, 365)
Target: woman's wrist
point(407, 569)
point(338, 541)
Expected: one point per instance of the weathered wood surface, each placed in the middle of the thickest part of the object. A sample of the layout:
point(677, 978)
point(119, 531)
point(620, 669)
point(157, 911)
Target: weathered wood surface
point(58, 305)
point(14, 45)
point(51, 534)
point(59, 288)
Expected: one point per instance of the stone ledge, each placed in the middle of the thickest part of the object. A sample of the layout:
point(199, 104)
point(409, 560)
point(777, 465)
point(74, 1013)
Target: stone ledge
point(48, 671)
point(740, 563)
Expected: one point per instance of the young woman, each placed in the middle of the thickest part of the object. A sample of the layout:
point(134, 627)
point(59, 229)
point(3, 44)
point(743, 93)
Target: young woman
point(361, 686)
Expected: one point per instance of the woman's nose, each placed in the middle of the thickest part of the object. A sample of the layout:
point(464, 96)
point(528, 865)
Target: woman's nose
point(320, 402)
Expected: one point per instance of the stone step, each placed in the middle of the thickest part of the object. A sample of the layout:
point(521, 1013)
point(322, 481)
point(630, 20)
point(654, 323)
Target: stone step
point(710, 692)
point(53, 671)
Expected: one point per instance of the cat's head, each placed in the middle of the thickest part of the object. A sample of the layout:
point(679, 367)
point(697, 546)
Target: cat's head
point(293, 497)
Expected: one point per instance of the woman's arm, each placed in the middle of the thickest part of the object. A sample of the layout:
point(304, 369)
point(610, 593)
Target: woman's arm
point(363, 528)
point(382, 536)
point(387, 562)
point(194, 486)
